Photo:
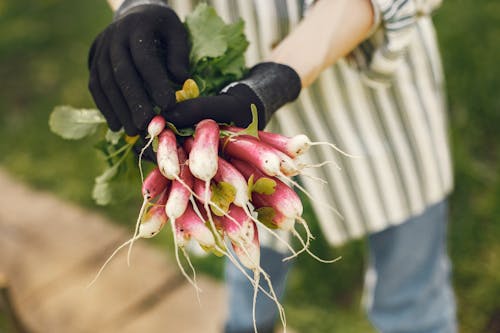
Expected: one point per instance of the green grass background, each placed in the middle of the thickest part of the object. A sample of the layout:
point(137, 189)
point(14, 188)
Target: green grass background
point(43, 51)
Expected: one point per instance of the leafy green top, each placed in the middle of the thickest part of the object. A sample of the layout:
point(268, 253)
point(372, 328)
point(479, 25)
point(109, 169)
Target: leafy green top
point(217, 49)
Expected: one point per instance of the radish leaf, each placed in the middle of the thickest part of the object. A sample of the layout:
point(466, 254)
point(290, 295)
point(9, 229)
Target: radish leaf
point(266, 215)
point(71, 123)
point(223, 195)
point(264, 185)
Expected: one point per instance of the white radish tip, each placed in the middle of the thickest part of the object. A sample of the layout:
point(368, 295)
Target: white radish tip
point(287, 224)
point(202, 163)
point(151, 227)
point(156, 125)
point(204, 236)
point(298, 144)
point(271, 164)
point(249, 257)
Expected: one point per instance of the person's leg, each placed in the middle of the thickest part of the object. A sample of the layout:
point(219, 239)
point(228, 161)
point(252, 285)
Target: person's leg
point(240, 293)
point(408, 287)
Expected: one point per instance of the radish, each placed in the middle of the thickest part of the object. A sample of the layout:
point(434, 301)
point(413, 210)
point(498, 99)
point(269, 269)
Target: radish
point(254, 152)
point(203, 159)
point(268, 159)
point(190, 225)
point(156, 125)
point(154, 218)
point(204, 151)
point(292, 146)
point(154, 184)
point(229, 174)
point(284, 199)
point(167, 155)
point(286, 205)
point(178, 199)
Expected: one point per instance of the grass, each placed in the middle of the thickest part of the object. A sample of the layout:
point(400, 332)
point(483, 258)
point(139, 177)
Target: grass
point(43, 50)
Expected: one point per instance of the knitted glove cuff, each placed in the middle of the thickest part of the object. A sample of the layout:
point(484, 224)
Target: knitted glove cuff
point(275, 85)
point(127, 5)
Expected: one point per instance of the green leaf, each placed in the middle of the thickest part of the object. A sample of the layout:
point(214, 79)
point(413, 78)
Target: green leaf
point(181, 132)
point(71, 123)
point(266, 215)
point(155, 144)
point(217, 49)
point(233, 61)
point(253, 128)
point(250, 185)
point(114, 137)
point(206, 31)
point(101, 192)
point(264, 185)
point(223, 195)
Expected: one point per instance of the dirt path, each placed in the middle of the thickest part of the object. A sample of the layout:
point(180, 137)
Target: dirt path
point(50, 250)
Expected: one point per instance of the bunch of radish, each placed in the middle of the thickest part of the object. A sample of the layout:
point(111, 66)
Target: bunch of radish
point(216, 186)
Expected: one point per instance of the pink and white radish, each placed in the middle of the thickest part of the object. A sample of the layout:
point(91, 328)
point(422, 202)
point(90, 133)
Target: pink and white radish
point(283, 199)
point(292, 146)
point(178, 199)
point(253, 152)
point(190, 225)
point(167, 155)
point(154, 184)
point(286, 204)
point(204, 151)
point(228, 173)
point(203, 159)
point(156, 125)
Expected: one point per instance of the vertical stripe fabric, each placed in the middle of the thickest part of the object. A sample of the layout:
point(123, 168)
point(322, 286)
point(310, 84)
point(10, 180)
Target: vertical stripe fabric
point(385, 103)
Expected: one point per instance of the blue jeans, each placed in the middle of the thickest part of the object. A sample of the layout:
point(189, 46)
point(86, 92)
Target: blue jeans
point(408, 287)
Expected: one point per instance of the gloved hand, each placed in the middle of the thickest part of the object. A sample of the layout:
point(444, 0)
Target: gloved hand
point(134, 61)
point(268, 85)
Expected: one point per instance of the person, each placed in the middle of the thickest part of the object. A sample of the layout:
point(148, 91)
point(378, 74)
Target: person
point(363, 74)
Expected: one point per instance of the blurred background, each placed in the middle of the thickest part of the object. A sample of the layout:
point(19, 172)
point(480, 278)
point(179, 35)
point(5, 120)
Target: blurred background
point(43, 53)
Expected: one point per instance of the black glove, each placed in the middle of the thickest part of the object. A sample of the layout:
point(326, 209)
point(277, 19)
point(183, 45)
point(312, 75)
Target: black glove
point(268, 85)
point(134, 62)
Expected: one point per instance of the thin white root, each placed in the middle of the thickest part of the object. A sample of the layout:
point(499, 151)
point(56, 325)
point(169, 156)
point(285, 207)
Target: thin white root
point(274, 298)
point(108, 260)
point(256, 280)
point(304, 224)
point(176, 250)
point(281, 310)
point(186, 256)
point(207, 204)
point(150, 141)
point(236, 263)
point(136, 232)
point(305, 245)
point(319, 180)
point(306, 227)
point(319, 165)
point(334, 147)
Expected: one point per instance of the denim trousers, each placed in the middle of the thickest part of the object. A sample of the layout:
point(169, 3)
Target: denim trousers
point(407, 283)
